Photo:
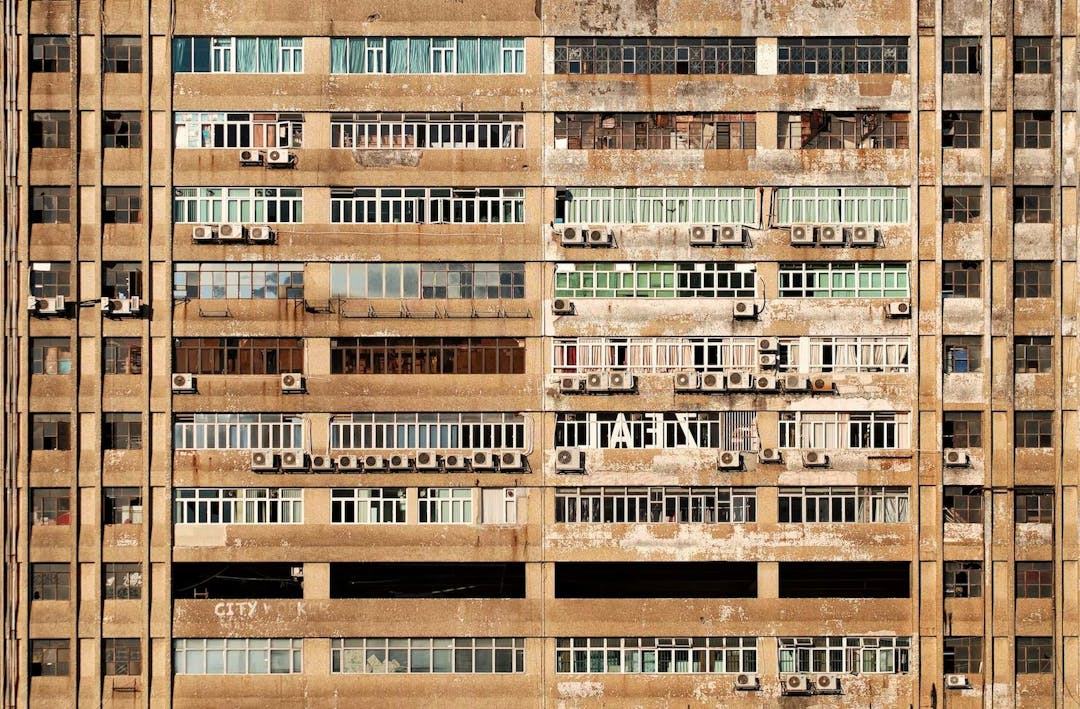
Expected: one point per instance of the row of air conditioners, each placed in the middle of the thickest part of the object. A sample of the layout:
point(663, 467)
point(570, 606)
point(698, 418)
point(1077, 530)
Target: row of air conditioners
point(291, 383)
point(598, 383)
point(834, 235)
point(741, 310)
point(572, 460)
point(715, 382)
point(587, 235)
point(425, 460)
point(811, 684)
point(274, 157)
point(254, 234)
point(700, 235)
point(53, 305)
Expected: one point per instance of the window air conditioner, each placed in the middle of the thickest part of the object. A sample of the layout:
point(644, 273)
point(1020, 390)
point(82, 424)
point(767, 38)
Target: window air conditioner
point(455, 461)
point(768, 344)
point(830, 235)
point(898, 309)
point(292, 383)
point(322, 463)
point(348, 462)
point(600, 236)
point(483, 460)
point(251, 157)
point(796, 382)
point(862, 235)
point(713, 381)
point(957, 682)
point(766, 382)
point(373, 463)
point(121, 307)
point(747, 682)
point(740, 381)
point(621, 381)
point(827, 684)
point(511, 460)
point(279, 157)
point(797, 684)
point(687, 381)
point(572, 235)
point(46, 306)
point(730, 234)
point(821, 385)
point(183, 383)
point(702, 235)
point(729, 460)
point(570, 384)
point(745, 310)
point(596, 383)
point(767, 361)
point(230, 232)
point(398, 461)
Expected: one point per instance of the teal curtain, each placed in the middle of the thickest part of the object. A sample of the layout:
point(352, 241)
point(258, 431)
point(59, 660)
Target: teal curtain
point(513, 62)
point(356, 55)
point(490, 55)
point(181, 54)
point(269, 55)
point(297, 58)
point(338, 55)
point(467, 56)
point(397, 61)
point(419, 55)
point(245, 55)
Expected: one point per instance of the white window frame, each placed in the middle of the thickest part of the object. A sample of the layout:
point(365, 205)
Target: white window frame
point(723, 430)
point(238, 656)
point(845, 655)
point(238, 505)
point(427, 131)
point(368, 505)
point(835, 430)
point(427, 205)
point(635, 279)
point(648, 355)
point(447, 505)
point(848, 505)
point(661, 205)
point(638, 505)
point(844, 279)
point(869, 353)
point(194, 130)
point(442, 431)
point(841, 205)
point(422, 655)
point(216, 205)
point(699, 655)
point(221, 431)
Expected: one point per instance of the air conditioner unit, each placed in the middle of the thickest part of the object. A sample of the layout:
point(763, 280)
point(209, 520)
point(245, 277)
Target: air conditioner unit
point(121, 307)
point(768, 344)
point(957, 458)
point(251, 157)
point(797, 684)
point(766, 382)
point(483, 460)
point(570, 384)
point(898, 309)
point(292, 383)
point(830, 235)
point(455, 461)
point(348, 462)
point(713, 381)
point(183, 383)
point(747, 682)
point(957, 682)
point(596, 383)
point(263, 460)
point(730, 234)
point(687, 381)
point(569, 460)
point(373, 462)
point(862, 235)
point(827, 684)
point(202, 232)
point(562, 306)
point(322, 463)
point(821, 385)
point(770, 455)
point(729, 460)
point(802, 235)
point(621, 381)
point(260, 234)
point(572, 236)
point(511, 460)
point(796, 382)
point(702, 235)
point(427, 460)
point(293, 459)
point(46, 306)
point(815, 459)
point(745, 310)
point(740, 381)
point(297, 572)
point(767, 361)
point(600, 236)
point(399, 461)
point(230, 232)
point(279, 157)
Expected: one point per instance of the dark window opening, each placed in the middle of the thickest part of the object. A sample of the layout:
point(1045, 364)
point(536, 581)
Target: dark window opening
point(656, 579)
point(236, 580)
point(845, 579)
point(427, 580)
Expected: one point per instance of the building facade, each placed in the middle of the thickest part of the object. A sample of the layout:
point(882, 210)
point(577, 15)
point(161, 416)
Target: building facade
point(540, 353)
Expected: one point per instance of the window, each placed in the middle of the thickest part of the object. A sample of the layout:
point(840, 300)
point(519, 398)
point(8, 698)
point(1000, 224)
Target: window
point(843, 354)
point(961, 129)
point(842, 55)
point(50, 55)
point(963, 505)
point(238, 55)
point(961, 55)
point(843, 655)
point(725, 430)
point(237, 431)
point(50, 205)
point(122, 505)
point(837, 279)
point(681, 505)
point(962, 354)
point(121, 129)
point(1031, 205)
point(367, 505)
point(424, 655)
point(50, 658)
point(427, 55)
point(644, 279)
point(1033, 279)
point(1034, 505)
point(432, 280)
point(1034, 655)
point(961, 205)
point(1033, 129)
point(122, 279)
point(123, 205)
point(654, 55)
point(963, 579)
point(50, 129)
point(123, 355)
point(1034, 579)
point(238, 280)
point(961, 429)
point(123, 581)
point(832, 130)
point(655, 131)
point(238, 355)
point(699, 655)
point(238, 656)
point(239, 130)
point(199, 205)
point(211, 505)
point(446, 505)
point(961, 279)
point(654, 354)
point(51, 506)
point(123, 656)
point(50, 432)
point(656, 205)
point(50, 279)
point(427, 130)
point(123, 55)
point(1034, 429)
point(1032, 55)
point(427, 355)
point(841, 205)
point(455, 431)
point(844, 505)
point(428, 205)
point(50, 582)
point(1033, 354)
point(962, 655)
point(855, 430)
point(50, 355)
point(122, 431)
